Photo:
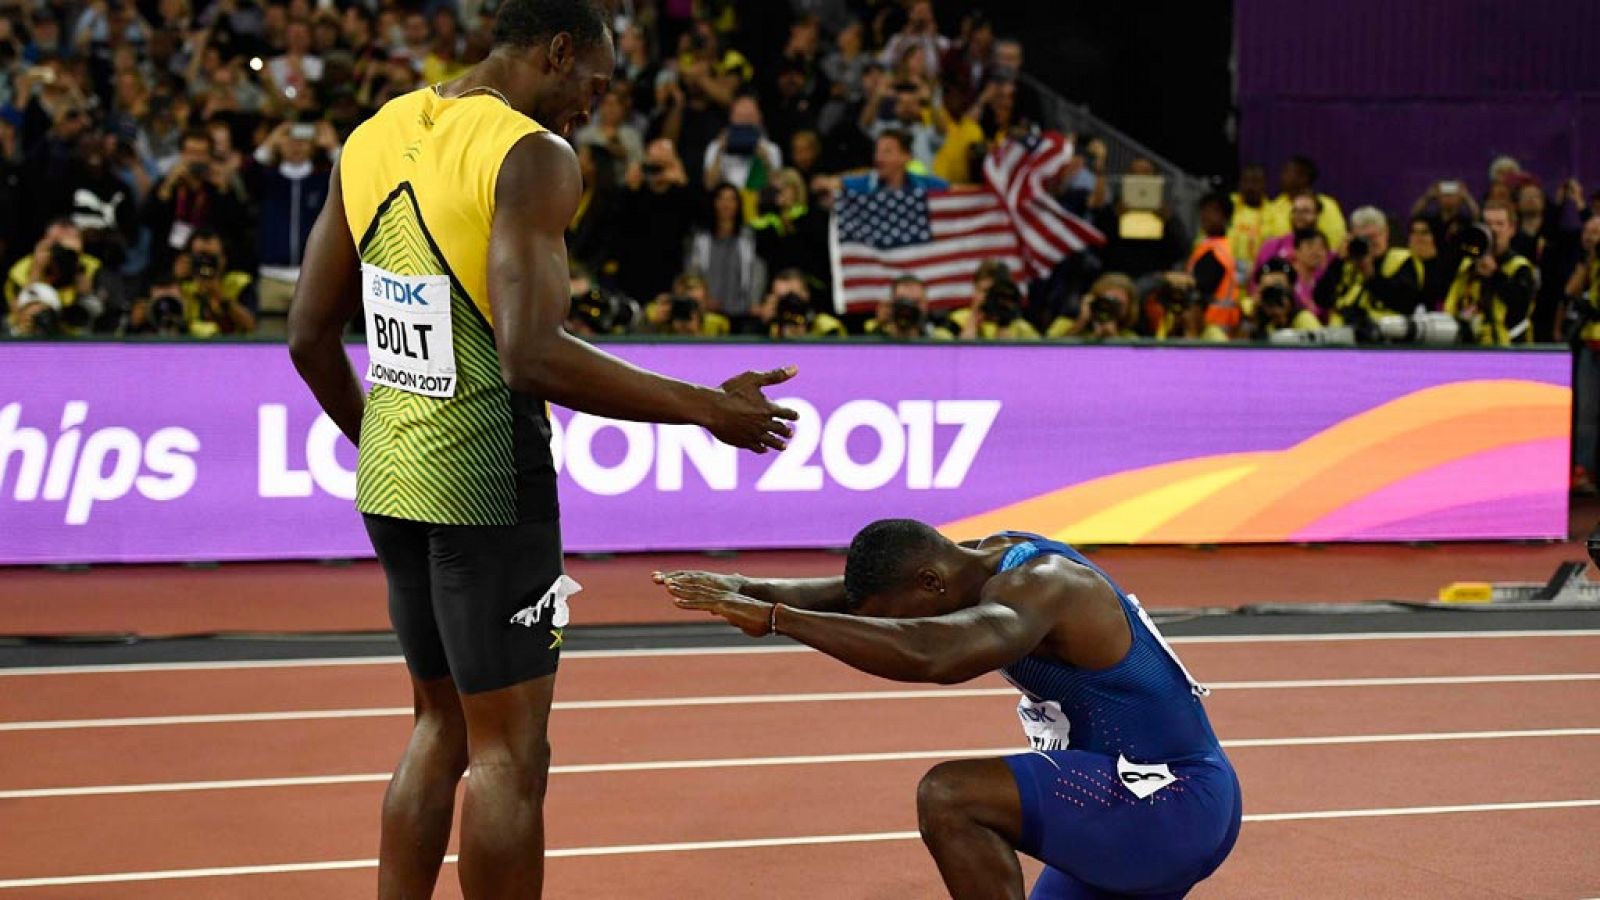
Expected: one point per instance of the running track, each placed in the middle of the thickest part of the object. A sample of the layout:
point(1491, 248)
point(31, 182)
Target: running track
point(1457, 766)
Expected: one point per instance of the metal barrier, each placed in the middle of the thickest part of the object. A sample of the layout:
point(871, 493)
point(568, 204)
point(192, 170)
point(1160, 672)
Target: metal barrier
point(1183, 190)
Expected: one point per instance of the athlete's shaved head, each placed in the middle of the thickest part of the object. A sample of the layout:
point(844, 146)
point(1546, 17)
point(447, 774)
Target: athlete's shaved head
point(886, 556)
point(524, 23)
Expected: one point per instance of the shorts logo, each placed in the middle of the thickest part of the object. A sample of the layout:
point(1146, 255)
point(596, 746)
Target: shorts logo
point(1143, 780)
point(554, 600)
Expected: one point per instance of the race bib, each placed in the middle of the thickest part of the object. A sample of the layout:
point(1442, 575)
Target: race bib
point(1142, 780)
point(409, 341)
point(1044, 723)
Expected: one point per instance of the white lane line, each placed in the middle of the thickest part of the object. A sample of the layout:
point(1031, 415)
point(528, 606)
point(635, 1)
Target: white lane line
point(752, 843)
point(317, 662)
point(756, 761)
point(761, 699)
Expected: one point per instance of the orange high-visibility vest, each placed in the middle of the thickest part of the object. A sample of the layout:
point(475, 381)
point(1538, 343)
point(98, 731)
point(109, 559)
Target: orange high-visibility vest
point(1224, 309)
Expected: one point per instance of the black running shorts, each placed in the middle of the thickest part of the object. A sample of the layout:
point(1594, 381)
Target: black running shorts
point(465, 599)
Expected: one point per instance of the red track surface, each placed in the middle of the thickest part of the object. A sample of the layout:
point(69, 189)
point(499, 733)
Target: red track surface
point(1546, 852)
point(301, 597)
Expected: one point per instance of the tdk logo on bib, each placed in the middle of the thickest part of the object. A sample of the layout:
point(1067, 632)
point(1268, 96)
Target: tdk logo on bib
point(399, 291)
point(409, 338)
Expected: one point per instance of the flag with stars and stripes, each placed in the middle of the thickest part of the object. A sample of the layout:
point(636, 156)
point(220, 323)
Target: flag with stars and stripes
point(942, 236)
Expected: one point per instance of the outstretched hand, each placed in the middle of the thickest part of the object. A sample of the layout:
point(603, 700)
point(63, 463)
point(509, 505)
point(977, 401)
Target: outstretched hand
point(707, 592)
point(745, 418)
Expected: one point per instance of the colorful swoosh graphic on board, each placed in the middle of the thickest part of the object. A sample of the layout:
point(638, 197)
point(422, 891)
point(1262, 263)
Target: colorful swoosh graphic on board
point(1421, 459)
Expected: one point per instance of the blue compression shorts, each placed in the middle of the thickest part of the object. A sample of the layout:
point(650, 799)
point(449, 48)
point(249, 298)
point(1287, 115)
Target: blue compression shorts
point(1100, 841)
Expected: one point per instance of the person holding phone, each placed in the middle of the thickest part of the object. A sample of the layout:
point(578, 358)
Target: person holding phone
point(732, 158)
point(290, 183)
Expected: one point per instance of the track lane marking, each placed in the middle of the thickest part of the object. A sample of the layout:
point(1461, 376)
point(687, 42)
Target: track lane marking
point(749, 843)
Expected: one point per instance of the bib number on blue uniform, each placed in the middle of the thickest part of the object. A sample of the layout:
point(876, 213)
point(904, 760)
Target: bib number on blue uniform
point(1143, 780)
point(1044, 723)
point(409, 341)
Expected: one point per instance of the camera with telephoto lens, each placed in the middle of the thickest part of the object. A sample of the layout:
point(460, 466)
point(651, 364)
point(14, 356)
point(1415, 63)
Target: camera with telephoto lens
point(63, 266)
point(1357, 249)
point(683, 308)
point(906, 314)
point(165, 314)
point(794, 309)
point(1321, 337)
point(1178, 297)
point(1275, 295)
point(1432, 329)
point(81, 315)
point(207, 265)
point(1002, 304)
point(1474, 240)
point(1105, 309)
point(604, 313)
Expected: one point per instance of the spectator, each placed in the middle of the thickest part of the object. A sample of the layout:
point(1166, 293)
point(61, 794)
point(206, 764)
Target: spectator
point(789, 312)
point(592, 231)
point(1579, 322)
point(891, 169)
point(713, 72)
point(1304, 215)
point(1083, 182)
point(996, 309)
point(443, 61)
point(415, 40)
point(1547, 236)
point(657, 209)
point(195, 194)
point(845, 67)
point(291, 189)
point(1494, 289)
point(724, 254)
point(805, 154)
point(908, 105)
point(1212, 266)
point(1299, 176)
point(1249, 205)
point(1424, 243)
point(1007, 69)
point(103, 205)
point(11, 190)
point(1369, 279)
point(1310, 262)
point(1273, 307)
point(216, 300)
point(636, 67)
point(793, 107)
point(64, 273)
point(742, 155)
point(789, 233)
point(388, 81)
point(965, 66)
point(1107, 312)
point(611, 130)
point(1139, 242)
point(683, 313)
point(298, 70)
point(904, 315)
point(1449, 207)
point(920, 33)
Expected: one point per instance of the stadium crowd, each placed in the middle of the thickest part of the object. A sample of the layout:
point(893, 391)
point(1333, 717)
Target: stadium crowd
point(161, 165)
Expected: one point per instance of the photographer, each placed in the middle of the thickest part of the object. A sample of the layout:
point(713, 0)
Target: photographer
point(216, 300)
point(195, 194)
point(1177, 310)
point(160, 312)
point(291, 188)
point(1369, 279)
point(683, 312)
point(904, 316)
point(904, 106)
point(1494, 287)
point(657, 211)
point(1272, 307)
point(1107, 311)
point(67, 275)
point(596, 312)
point(788, 311)
point(996, 310)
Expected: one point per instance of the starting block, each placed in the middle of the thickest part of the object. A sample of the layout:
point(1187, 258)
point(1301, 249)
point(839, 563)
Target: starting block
point(1569, 585)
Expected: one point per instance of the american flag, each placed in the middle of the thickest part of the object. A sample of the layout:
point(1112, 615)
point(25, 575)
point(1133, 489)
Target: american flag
point(942, 236)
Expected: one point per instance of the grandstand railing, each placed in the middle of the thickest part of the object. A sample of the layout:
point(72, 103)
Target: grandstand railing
point(1183, 189)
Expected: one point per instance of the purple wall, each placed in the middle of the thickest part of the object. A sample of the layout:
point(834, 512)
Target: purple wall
point(1388, 97)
